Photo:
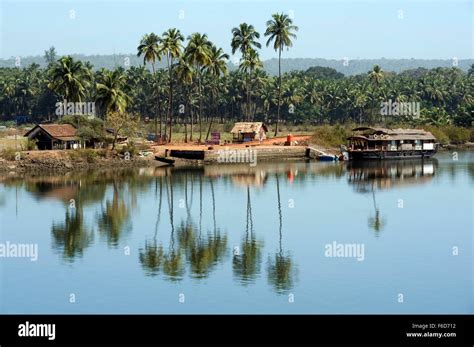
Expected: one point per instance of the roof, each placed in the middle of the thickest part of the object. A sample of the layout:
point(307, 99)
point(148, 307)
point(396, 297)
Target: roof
point(248, 127)
point(393, 134)
point(65, 132)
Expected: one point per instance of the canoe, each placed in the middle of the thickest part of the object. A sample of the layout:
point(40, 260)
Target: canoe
point(168, 161)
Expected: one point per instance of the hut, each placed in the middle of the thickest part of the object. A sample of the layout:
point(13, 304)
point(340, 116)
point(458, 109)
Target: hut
point(54, 136)
point(249, 131)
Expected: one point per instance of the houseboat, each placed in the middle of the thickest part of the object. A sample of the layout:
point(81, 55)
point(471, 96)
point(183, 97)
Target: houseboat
point(381, 143)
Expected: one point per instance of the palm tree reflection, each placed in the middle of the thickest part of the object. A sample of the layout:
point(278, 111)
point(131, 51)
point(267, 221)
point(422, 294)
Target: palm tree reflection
point(246, 260)
point(72, 236)
point(280, 269)
point(376, 222)
point(151, 257)
point(187, 244)
point(115, 217)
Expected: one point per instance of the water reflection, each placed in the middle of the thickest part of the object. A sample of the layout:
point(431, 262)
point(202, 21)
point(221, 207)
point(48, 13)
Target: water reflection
point(103, 205)
point(280, 269)
point(72, 236)
point(247, 259)
point(368, 177)
point(187, 244)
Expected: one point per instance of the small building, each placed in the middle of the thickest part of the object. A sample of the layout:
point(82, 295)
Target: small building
point(249, 131)
point(54, 136)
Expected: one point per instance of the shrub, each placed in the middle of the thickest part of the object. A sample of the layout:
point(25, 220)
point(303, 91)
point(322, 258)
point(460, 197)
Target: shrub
point(129, 148)
point(31, 145)
point(331, 136)
point(9, 154)
point(457, 135)
point(441, 137)
point(88, 155)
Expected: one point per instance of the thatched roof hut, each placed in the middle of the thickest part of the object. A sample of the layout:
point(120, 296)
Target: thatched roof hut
point(249, 131)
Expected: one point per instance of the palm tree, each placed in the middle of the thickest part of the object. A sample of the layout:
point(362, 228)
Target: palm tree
point(470, 72)
point(185, 73)
point(216, 68)
point(376, 75)
point(149, 48)
point(280, 29)
point(110, 91)
point(245, 38)
point(70, 79)
point(249, 64)
point(197, 52)
point(171, 48)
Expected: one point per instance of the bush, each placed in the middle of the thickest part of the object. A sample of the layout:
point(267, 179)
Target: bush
point(9, 154)
point(331, 136)
point(129, 148)
point(31, 145)
point(88, 155)
point(450, 134)
point(441, 137)
point(457, 135)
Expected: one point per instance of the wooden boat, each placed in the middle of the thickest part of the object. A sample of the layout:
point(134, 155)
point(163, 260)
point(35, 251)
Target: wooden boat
point(168, 161)
point(381, 143)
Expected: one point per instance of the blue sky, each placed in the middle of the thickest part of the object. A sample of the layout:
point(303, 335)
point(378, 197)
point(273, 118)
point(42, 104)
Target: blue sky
point(328, 29)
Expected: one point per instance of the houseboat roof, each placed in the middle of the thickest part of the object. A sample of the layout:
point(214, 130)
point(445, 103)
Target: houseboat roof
point(64, 132)
point(248, 127)
point(392, 134)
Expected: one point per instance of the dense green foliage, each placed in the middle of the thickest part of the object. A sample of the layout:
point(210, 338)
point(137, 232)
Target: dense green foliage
point(195, 87)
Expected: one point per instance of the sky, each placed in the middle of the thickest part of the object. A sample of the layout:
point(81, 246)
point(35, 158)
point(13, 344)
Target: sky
point(331, 29)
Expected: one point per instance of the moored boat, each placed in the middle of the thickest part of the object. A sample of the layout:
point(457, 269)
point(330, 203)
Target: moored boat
point(168, 161)
point(382, 143)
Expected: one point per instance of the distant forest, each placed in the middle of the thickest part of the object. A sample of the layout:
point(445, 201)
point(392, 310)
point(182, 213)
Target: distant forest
point(347, 67)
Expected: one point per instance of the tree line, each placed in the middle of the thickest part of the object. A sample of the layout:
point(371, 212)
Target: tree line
point(195, 87)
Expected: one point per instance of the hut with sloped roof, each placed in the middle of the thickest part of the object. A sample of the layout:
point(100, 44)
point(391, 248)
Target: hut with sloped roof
point(249, 131)
point(54, 136)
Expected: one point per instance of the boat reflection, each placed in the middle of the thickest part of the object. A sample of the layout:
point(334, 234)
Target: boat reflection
point(390, 174)
point(369, 176)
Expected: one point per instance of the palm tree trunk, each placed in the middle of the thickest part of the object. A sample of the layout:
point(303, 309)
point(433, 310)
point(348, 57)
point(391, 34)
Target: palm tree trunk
point(185, 118)
point(161, 122)
point(170, 104)
point(212, 118)
point(248, 97)
point(279, 91)
point(192, 121)
point(200, 107)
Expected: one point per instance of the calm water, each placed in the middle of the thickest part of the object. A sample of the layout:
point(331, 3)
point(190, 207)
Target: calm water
point(240, 239)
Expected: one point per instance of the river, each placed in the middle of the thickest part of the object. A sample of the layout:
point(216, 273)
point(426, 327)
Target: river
point(294, 237)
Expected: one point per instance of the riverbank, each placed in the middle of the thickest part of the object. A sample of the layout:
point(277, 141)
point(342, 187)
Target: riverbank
point(59, 162)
